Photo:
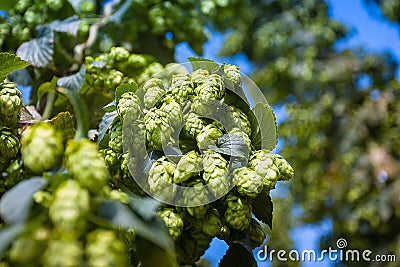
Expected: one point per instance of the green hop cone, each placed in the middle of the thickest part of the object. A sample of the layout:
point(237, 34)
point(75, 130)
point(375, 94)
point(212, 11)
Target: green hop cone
point(158, 129)
point(193, 125)
point(232, 73)
point(118, 54)
point(237, 213)
point(111, 158)
point(213, 88)
point(248, 182)
point(135, 137)
point(150, 71)
point(160, 179)
point(9, 144)
point(84, 163)
point(70, 204)
point(262, 162)
point(113, 79)
point(115, 142)
point(256, 233)
point(181, 87)
point(215, 173)
point(208, 136)
point(211, 224)
point(196, 198)
point(105, 249)
point(41, 147)
point(240, 120)
point(173, 111)
point(173, 221)
point(129, 102)
point(199, 77)
point(188, 166)
point(63, 252)
point(284, 167)
point(154, 92)
point(10, 104)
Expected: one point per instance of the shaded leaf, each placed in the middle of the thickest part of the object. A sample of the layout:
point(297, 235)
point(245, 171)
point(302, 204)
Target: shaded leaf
point(231, 145)
point(146, 207)
point(263, 207)
point(73, 82)
point(9, 63)
point(238, 256)
point(151, 255)
point(29, 115)
point(77, 4)
point(47, 87)
point(119, 14)
point(202, 63)
point(106, 121)
point(21, 77)
point(155, 231)
point(64, 123)
point(8, 236)
point(264, 128)
point(15, 203)
point(38, 51)
point(110, 107)
point(69, 25)
point(124, 88)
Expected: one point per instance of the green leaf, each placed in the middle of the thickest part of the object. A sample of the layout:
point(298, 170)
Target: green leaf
point(238, 256)
point(264, 128)
point(77, 4)
point(119, 14)
point(15, 203)
point(231, 145)
point(263, 207)
point(69, 25)
point(146, 207)
point(8, 236)
point(110, 107)
point(202, 63)
point(9, 63)
point(47, 87)
point(124, 88)
point(153, 230)
point(38, 51)
point(151, 255)
point(106, 121)
point(75, 81)
point(64, 123)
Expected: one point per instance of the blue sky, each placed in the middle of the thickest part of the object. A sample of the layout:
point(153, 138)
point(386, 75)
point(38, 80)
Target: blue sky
point(369, 31)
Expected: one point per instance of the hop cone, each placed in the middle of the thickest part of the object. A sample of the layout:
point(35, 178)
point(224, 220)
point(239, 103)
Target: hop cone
point(154, 92)
point(10, 104)
point(262, 162)
point(215, 173)
point(256, 233)
point(85, 164)
point(284, 167)
point(135, 137)
point(129, 102)
point(160, 179)
point(248, 182)
point(63, 253)
point(111, 159)
point(208, 136)
point(118, 54)
point(158, 129)
point(193, 125)
point(42, 147)
point(199, 77)
point(69, 205)
point(173, 111)
point(173, 221)
point(105, 249)
point(232, 73)
point(237, 213)
point(213, 88)
point(113, 79)
point(211, 224)
point(240, 120)
point(115, 142)
point(9, 144)
point(195, 198)
point(181, 87)
point(149, 72)
point(189, 165)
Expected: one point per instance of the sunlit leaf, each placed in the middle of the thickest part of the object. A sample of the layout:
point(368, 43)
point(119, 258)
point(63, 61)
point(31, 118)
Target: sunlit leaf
point(9, 63)
point(64, 123)
point(202, 63)
point(124, 88)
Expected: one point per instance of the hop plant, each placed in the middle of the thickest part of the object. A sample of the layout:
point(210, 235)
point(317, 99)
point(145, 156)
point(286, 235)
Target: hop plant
point(158, 129)
point(173, 221)
point(42, 147)
point(161, 178)
point(129, 102)
point(63, 252)
point(232, 73)
point(237, 213)
point(240, 120)
point(173, 111)
point(193, 125)
point(211, 223)
point(248, 182)
point(85, 164)
point(195, 198)
point(10, 104)
point(286, 171)
point(208, 136)
point(70, 204)
point(113, 79)
point(118, 54)
point(181, 87)
point(243, 136)
point(262, 162)
point(154, 92)
point(199, 77)
point(115, 142)
point(213, 88)
point(215, 173)
point(111, 159)
point(105, 249)
point(256, 233)
point(188, 166)
point(9, 144)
